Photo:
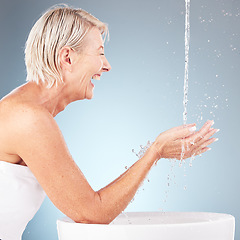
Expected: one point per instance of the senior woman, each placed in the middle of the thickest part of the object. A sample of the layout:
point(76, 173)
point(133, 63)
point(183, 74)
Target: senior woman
point(64, 51)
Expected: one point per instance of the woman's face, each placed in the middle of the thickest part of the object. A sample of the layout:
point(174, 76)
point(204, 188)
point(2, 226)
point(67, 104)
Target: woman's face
point(90, 63)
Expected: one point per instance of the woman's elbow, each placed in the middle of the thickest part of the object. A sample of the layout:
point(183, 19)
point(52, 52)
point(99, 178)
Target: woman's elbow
point(93, 212)
point(93, 219)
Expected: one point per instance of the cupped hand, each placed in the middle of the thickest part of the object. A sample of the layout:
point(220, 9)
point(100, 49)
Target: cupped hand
point(184, 141)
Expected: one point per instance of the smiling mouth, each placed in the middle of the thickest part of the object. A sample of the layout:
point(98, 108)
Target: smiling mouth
point(96, 77)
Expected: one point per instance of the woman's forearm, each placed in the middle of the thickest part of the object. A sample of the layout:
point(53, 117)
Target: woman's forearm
point(111, 200)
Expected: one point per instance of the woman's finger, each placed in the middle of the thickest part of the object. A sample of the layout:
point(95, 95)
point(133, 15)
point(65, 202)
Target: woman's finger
point(209, 134)
point(203, 131)
point(203, 150)
point(206, 143)
point(184, 131)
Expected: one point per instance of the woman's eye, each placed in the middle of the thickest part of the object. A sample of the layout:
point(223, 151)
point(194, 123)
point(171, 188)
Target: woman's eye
point(102, 54)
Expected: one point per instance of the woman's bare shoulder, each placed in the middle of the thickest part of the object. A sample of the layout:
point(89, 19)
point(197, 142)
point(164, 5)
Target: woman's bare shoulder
point(13, 110)
point(19, 121)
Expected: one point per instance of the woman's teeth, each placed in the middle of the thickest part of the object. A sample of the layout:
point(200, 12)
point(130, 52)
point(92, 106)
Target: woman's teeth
point(96, 77)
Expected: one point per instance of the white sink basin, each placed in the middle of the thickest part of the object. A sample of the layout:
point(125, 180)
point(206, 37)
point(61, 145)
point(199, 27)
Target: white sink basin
point(153, 226)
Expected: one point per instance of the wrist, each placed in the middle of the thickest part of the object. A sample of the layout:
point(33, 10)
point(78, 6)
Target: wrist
point(153, 153)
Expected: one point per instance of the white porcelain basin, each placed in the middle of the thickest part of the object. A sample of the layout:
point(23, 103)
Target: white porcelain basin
point(153, 226)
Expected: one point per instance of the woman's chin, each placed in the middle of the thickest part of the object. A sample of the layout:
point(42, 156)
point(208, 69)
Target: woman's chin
point(89, 94)
point(89, 97)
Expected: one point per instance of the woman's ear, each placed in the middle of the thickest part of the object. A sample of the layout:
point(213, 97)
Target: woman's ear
point(65, 55)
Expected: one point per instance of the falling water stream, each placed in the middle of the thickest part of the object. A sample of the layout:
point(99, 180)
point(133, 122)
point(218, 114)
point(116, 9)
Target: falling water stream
point(187, 39)
point(185, 88)
point(142, 151)
point(185, 92)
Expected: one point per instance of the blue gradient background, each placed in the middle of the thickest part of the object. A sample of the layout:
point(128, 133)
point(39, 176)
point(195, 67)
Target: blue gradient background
point(142, 96)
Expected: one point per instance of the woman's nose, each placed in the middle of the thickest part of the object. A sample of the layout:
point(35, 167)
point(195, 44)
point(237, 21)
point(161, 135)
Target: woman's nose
point(106, 66)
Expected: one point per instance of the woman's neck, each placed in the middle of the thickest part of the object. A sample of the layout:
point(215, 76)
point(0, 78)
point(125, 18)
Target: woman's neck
point(54, 99)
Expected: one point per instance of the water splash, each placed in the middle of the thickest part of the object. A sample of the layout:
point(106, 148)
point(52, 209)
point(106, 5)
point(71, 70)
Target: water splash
point(143, 150)
point(141, 153)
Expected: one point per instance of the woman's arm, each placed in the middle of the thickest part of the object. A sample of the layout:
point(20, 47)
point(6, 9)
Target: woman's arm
point(39, 142)
point(116, 196)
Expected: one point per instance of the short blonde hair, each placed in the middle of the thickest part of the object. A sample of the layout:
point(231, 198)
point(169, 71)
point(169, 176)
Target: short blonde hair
point(58, 27)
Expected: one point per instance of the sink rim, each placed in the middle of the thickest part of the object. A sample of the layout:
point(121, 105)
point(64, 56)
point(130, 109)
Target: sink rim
point(219, 217)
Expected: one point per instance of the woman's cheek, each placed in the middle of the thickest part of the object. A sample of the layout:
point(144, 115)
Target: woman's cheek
point(101, 65)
